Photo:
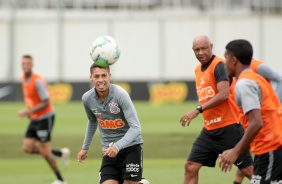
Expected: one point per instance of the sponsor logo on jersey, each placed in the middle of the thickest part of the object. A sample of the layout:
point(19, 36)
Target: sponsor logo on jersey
point(114, 109)
point(255, 179)
point(111, 124)
point(42, 133)
point(212, 121)
point(132, 168)
point(204, 93)
point(96, 112)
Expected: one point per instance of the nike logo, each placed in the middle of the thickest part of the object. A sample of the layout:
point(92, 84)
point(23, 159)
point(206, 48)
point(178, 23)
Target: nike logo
point(239, 163)
point(133, 175)
point(4, 91)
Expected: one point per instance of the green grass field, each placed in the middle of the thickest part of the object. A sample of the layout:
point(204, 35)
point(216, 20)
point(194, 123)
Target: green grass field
point(166, 146)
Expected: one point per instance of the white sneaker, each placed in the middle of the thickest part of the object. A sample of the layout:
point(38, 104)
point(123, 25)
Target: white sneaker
point(65, 157)
point(59, 182)
point(144, 181)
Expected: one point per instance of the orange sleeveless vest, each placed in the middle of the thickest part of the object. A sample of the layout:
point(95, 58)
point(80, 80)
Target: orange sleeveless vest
point(269, 137)
point(31, 96)
point(222, 115)
point(255, 64)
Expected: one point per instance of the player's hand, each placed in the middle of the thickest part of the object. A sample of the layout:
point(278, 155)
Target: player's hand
point(187, 118)
point(111, 151)
point(227, 159)
point(23, 113)
point(82, 155)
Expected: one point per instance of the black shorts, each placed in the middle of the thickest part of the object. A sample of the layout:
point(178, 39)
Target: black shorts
point(268, 168)
point(210, 144)
point(41, 129)
point(127, 165)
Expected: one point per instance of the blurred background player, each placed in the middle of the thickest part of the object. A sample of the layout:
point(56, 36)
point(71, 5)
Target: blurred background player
point(110, 107)
point(222, 129)
point(260, 109)
point(270, 75)
point(41, 113)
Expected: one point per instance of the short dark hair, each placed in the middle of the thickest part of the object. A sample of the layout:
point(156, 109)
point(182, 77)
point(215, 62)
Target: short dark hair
point(94, 65)
point(242, 50)
point(27, 56)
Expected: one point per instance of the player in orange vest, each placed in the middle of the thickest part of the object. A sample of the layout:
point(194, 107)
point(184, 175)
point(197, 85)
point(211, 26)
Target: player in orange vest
point(41, 113)
point(222, 129)
point(259, 106)
point(270, 75)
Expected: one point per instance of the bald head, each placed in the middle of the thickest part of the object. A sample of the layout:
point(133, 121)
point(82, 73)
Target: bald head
point(202, 48)
point(201, 39)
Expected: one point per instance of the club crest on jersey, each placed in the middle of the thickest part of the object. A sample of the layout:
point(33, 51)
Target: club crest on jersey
point(114, 109)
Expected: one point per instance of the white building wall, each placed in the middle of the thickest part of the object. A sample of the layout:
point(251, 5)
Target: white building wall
point(154, 45)
point(4, 50)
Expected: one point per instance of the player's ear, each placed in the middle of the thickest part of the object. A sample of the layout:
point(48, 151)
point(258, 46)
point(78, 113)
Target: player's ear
point(234, 60)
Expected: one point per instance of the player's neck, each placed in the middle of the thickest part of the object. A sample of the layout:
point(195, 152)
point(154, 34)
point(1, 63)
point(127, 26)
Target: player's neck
point(27, 75)
point(103, 95)
point(241, 70)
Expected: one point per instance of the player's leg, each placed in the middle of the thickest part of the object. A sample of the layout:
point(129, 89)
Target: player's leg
point(110, 171)
point(29, 146)
point(245, 161)
point(268, 168)
point(202, 154)
point(132, 165)
point(192, 172)
point(111, 182)
point(239, 177)
point(45, 151)
point(276, 175)
point(130, 182)
point(64, 154)
point(231, 135)
point(29, 142)
point(35, 131)
point(44, 130)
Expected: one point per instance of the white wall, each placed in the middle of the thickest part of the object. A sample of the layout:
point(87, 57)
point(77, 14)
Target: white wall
point(4, 46)
point(154, 45)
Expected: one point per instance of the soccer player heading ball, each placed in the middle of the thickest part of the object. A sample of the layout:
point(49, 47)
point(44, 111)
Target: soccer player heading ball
point(109, 107)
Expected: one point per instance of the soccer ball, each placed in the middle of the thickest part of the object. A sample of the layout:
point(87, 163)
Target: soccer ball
point(105, 51)
point(144, 181)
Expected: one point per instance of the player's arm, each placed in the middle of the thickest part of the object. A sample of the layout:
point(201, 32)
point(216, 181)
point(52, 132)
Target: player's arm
point(222, 81)
point(90, 131)
point(228, 157)
point(132, 119)
point(44, 96)
point(248, 96)
point(254, 126)
point(269, 74)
